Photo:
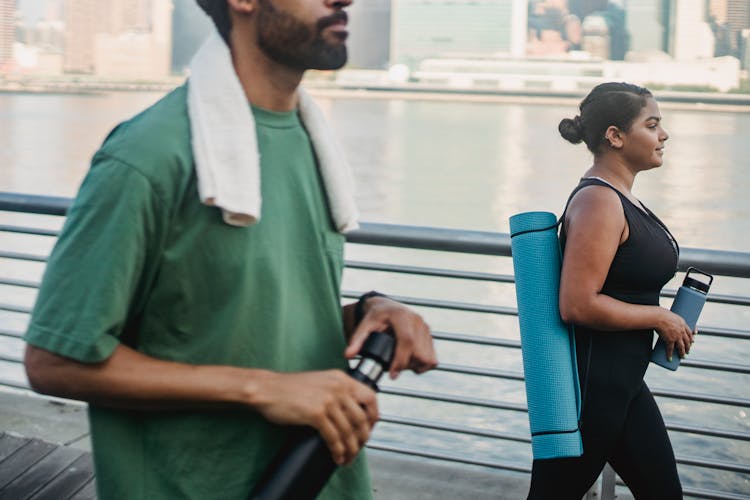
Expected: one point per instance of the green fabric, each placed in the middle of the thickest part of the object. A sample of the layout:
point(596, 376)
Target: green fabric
point(141, 261)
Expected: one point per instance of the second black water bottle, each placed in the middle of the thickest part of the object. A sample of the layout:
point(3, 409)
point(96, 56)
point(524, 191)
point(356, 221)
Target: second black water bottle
point(304, 464)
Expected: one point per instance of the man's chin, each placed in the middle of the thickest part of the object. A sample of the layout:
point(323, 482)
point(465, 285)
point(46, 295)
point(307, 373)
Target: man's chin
point(330, 59)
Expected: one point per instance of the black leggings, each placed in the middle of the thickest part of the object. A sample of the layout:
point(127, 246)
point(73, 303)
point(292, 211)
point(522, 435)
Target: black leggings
point(640, 453)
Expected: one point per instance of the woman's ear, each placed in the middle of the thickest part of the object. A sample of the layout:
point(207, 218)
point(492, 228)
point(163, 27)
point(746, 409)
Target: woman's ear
point(613, 137)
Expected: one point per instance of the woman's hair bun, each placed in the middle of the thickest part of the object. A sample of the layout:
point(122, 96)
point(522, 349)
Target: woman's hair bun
point(571, 129)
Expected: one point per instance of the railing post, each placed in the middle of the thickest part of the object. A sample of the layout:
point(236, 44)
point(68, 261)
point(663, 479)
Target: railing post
point(608, 483)
point(592, 494)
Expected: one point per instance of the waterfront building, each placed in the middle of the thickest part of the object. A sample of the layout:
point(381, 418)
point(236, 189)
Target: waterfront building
point(645, 24)
point(82, 22)
point(130, 39)
point(7, 30)
point(423, 29)
point(596, 39)
point(568, 75)
point(690, 34)
point(142, 50)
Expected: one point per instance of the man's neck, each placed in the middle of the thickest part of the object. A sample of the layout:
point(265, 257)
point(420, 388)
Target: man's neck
point(267, 84)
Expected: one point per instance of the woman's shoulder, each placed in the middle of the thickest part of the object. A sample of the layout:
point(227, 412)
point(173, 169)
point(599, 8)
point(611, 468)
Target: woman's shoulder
point(595, 197)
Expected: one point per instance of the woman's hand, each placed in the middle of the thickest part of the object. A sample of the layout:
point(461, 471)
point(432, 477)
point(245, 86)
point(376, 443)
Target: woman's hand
point(675, 333)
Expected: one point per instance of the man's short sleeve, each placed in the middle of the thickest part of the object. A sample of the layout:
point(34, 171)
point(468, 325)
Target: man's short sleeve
point(103, 260)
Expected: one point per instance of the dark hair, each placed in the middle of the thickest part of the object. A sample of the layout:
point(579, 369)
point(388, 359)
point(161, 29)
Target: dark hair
point(218, 11)
point(607, 104)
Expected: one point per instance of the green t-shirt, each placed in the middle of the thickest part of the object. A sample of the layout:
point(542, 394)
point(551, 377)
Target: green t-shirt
point(141, 261)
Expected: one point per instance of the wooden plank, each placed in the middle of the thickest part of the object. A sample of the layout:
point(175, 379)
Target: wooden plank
point(40, 474)
point(22, 459)
point(70, 481)
point(9, 444)
point(88, 492)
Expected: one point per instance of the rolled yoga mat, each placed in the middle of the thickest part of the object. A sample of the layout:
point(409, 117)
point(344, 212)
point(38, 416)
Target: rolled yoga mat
point(547, 344)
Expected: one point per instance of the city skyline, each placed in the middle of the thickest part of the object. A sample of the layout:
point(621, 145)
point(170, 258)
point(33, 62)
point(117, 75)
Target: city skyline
point(152, 39)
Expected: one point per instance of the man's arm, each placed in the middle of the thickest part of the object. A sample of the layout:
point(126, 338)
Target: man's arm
point(341, 409)
point(414, 348)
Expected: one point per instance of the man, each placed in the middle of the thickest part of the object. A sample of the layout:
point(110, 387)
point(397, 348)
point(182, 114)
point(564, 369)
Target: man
point(194, 341)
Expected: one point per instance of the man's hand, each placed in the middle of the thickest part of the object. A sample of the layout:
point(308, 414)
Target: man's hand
point(341, 409)
point(414, 349)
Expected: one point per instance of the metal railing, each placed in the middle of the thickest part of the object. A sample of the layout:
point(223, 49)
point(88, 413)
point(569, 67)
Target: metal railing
point(440, 427)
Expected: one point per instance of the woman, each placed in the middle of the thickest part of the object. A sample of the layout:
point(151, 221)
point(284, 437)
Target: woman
point(617, 255)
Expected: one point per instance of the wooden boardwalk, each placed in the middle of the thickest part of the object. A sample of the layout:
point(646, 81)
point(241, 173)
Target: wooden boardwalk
point(32, 467)
point(38, 470)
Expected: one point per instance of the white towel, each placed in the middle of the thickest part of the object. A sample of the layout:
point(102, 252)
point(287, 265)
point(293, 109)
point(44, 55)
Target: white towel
point(225, 147)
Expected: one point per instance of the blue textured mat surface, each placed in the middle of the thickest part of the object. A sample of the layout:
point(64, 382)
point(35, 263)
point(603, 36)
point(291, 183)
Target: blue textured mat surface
point(547, 344)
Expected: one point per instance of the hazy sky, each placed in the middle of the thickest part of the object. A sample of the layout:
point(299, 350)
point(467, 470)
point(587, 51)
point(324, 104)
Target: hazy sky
point(32, 9)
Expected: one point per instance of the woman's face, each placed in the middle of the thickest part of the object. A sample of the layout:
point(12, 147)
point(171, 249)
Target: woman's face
point(643, 144)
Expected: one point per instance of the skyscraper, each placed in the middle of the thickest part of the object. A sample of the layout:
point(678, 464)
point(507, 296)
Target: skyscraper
point(738, 14)
point(83, 20)
point(7, 30)
point(644, 23)
point(691, 36)
point(118, 38)
point(422, 29)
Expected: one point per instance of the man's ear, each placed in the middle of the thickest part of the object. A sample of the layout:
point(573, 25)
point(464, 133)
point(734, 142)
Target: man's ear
point(243, 7)
point(613, 136)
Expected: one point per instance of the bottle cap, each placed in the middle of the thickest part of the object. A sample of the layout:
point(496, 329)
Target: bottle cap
point(695, 284)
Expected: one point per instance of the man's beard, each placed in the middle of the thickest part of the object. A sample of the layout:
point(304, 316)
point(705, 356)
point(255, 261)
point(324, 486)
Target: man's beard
point(287, 40)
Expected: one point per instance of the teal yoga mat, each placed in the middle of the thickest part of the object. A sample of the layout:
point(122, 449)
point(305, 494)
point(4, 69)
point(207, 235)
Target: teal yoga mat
point(547, 344)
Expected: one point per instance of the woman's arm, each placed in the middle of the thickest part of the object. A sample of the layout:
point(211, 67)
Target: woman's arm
point(596, 226)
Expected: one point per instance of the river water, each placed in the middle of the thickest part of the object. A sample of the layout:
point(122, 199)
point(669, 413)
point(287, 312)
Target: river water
point(467, 165)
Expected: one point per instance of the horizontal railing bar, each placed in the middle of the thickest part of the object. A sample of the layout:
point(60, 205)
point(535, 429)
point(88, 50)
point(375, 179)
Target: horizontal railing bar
point(10, 334)
point(12, 383)
point(703, 493)
point(34, 204)
point(727, 263)
point(718, 298)
point(705, 431)
point(719, 367)
point(489, 372)
point(702, 398)
point(728, 333)
point(431, 238)
point(455, 428)
point(484, 372)
point(446, 398)
point(714, 464)
point(375, 445)
point(444, 304)
point(734, 300)
point(712, 494)
point(28, 230)
point(486, 403)
point(15, 308)
point(475, 339)
point(718, 262)
point(21, 283)
point(23, 256)
point(429, 271)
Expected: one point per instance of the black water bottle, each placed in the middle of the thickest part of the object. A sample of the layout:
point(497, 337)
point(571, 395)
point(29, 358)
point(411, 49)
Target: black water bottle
point(304, 464)
point(688, 303)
